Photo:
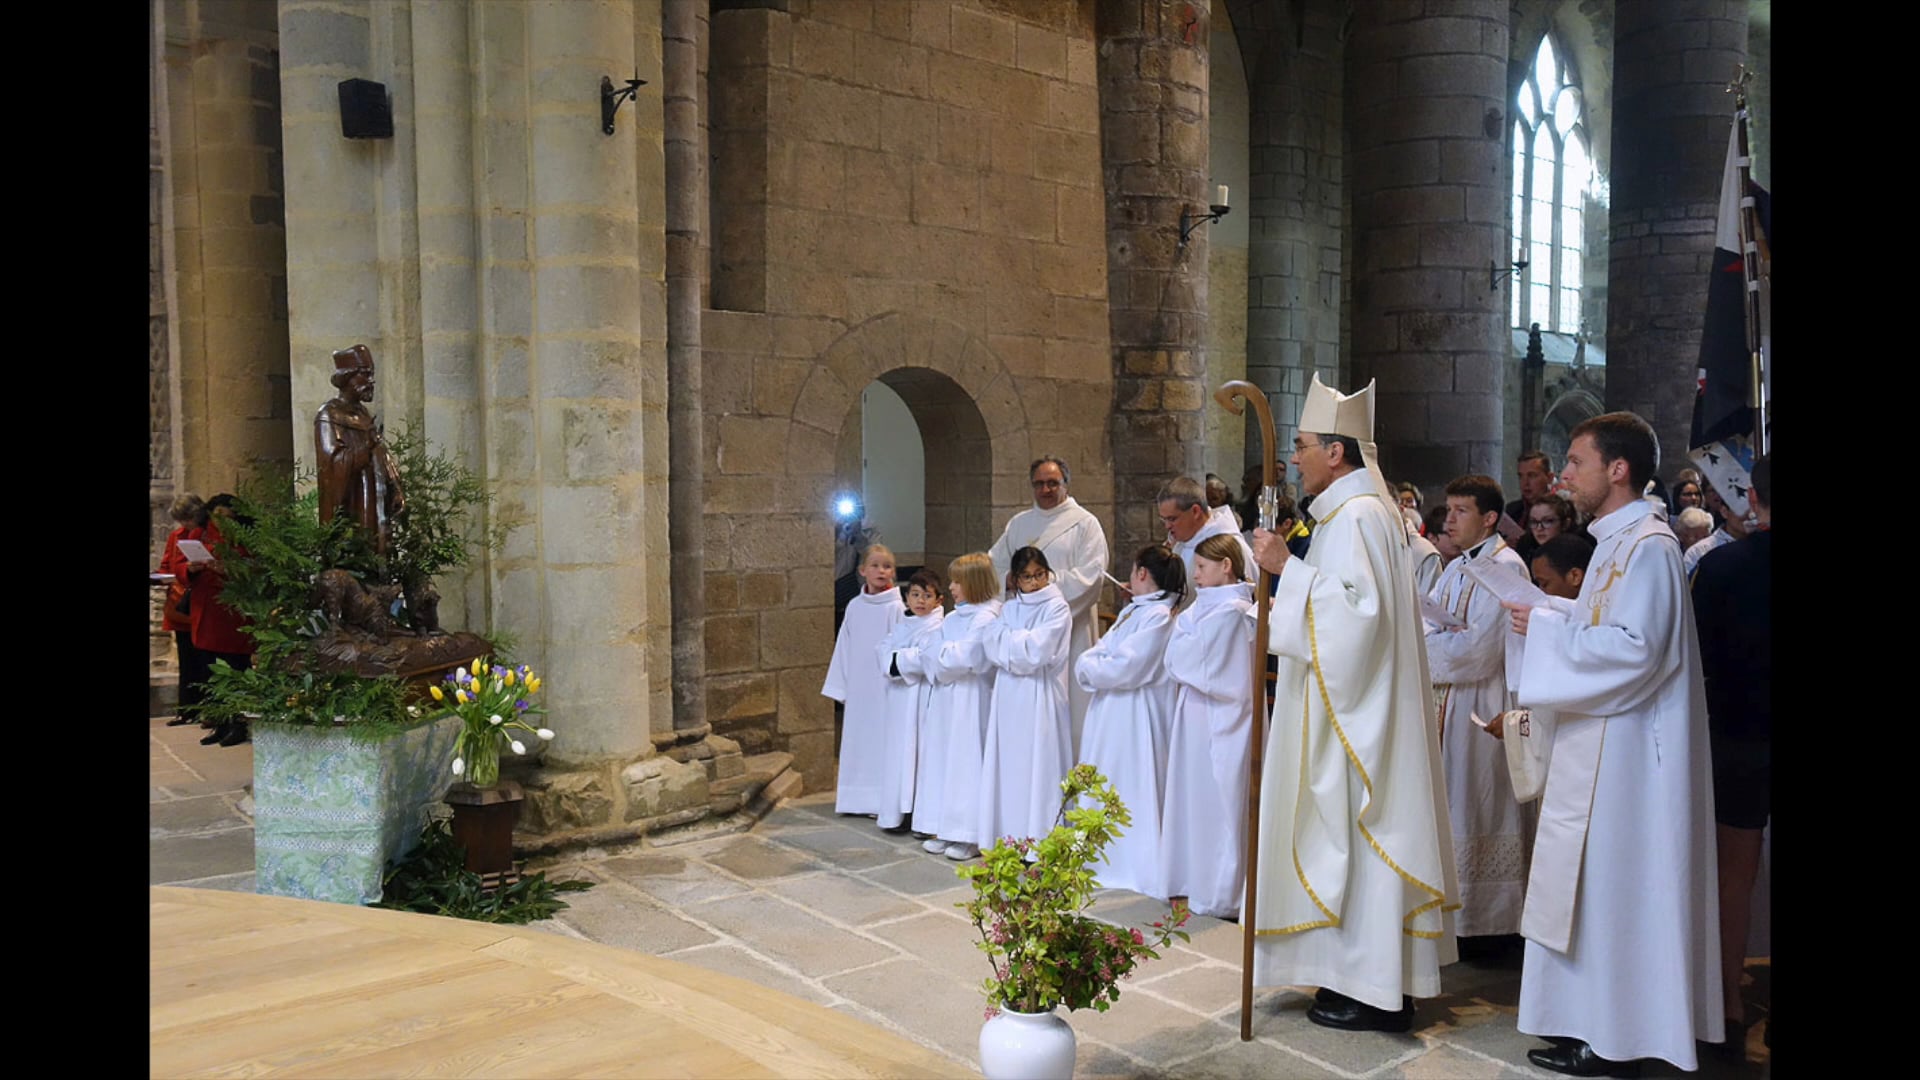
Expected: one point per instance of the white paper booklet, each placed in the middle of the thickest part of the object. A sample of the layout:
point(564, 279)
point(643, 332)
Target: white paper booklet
point(195, 551)
point(1503, 584)
point(1439, 616)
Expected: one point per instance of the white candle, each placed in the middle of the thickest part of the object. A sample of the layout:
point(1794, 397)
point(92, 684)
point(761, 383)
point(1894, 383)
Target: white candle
point(1220, 196)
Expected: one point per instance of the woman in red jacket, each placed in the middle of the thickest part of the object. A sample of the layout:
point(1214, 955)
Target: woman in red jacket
point(190, 517)
point(215, 626)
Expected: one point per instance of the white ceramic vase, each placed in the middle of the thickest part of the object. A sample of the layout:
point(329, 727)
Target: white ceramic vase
point(1026, 1046)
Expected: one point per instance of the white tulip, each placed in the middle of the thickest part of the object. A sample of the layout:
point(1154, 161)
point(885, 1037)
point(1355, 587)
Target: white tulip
point(494, 719)
point(519, 747)
point(545, 733)
point(459, 766)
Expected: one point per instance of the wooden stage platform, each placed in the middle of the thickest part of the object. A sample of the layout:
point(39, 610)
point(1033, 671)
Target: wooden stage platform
point(247, 985)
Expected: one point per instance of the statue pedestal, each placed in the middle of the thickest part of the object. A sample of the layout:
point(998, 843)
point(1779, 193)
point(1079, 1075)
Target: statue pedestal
point(330, 810)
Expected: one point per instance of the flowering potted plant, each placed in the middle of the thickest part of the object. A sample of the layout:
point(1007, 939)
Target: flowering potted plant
point(493, 704)
point(1029, 904)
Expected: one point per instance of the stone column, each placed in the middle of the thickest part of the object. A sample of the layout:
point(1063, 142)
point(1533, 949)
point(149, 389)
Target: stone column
point(1294, 272)
point(1153, 57)
point(1428, 121)
point(684, 36)
point(1671, 66)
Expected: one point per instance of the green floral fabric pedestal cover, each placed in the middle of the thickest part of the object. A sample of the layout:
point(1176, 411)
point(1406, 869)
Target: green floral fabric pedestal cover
point(330, 810)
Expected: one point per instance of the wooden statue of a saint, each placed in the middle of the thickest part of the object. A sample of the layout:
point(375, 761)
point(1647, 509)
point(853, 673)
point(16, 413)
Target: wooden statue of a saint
point(357, 476)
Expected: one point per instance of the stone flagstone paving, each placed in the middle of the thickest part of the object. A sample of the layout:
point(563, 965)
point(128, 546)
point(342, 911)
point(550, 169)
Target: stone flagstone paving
point(831, 910)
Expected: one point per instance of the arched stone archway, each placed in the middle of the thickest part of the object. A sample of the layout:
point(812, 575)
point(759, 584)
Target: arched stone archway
point(1565, 414)
point(770, 559)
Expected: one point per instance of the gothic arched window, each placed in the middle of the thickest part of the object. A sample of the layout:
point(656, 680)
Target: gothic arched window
point(1551, 173)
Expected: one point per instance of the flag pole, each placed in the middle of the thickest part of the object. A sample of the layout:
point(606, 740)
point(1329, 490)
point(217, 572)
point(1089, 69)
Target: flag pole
point(1750, 257)
point(1269, 505)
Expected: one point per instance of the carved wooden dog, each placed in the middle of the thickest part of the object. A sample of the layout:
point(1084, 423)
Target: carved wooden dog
point(350, 604)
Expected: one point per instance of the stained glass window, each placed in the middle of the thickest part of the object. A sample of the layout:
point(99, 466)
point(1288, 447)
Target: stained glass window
point(1552, 173)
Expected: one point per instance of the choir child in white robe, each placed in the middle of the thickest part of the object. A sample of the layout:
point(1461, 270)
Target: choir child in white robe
point(899, 657)
point(1492, 833)
point(1622, 914)
point(1130, 714)
point(855, 681)
point(1356, 854)
point(1203, 842)
point(1028, 749)
point(957, 708)
point(1076, 547)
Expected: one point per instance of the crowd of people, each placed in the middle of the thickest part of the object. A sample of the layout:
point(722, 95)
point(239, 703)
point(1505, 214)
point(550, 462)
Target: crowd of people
point(1440, 678)
point(205, 630)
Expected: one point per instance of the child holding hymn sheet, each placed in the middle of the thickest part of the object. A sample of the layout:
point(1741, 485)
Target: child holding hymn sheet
point(1029, 744)
point(1130, 714)
point(899, 656)
point(854, 680)
point(1210, 658)
point(946, 797)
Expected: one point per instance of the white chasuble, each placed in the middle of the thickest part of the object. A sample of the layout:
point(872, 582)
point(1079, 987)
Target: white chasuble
point(1204, 826)
point(1076, 548)
point(1492, 831)
point(1128, 715)
point(1356, 855)
point(906, 708)
point(947, 799)
point(855, 681)
point(1622, 912)
point(1027, 751)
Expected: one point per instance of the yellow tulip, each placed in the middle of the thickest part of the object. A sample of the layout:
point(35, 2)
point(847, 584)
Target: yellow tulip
point(437, 695)
point(533, 685)
point(476, 668)
point(461, 696)
point(509, 676)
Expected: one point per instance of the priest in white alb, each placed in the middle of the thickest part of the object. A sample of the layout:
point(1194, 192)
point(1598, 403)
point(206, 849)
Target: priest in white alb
point(1183, 509)
point(1492, 832)
point(1356, 874)
point(1622, 913)
point(1076, 549)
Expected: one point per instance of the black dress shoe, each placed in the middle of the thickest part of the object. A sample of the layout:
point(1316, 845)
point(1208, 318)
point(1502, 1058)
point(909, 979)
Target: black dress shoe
point(1349, 1015)
point(1576, 1058)
point(179, 720)
point(237, 735)
point(218, 734)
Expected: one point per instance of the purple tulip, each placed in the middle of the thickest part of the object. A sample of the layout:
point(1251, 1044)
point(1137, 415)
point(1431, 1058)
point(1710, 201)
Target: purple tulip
point(521, 704)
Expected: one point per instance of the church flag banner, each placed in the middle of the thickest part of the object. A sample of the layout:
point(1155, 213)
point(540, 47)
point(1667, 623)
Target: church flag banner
point(1723, 404)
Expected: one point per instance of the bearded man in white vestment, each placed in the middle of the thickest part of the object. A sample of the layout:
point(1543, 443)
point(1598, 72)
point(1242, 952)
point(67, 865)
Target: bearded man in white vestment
point(1622, 912)
point(1492, 833)
point(1076, 549)
point(1356, 873)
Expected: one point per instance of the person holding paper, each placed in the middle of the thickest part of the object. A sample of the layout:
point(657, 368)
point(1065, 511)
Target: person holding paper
point(217, 629)
point(1356, 873)
point(189, 516)
point(1492, 836)
point(1073, 541)
point(1622, 916)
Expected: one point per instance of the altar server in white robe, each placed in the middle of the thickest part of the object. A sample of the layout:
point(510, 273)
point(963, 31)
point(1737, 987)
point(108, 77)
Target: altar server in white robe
point(899, 656)
point(1427, 560)
point(1492, 834)
point(1622, 913)
point(854, 680)
point(1130, 714)
point(1076, 548)
point(947, 800)
point(1183, 509)
point(1028, 748)
point(1210, 655)
point(1356, 880)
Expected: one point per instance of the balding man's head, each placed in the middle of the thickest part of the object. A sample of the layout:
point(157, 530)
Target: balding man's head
point(1050, 478)
point(1182, 504)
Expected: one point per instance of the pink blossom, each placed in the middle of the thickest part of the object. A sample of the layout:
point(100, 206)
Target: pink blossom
point(1137, 939)
point(992, 1012)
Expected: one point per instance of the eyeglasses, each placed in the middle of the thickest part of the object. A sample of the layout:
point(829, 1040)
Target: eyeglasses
point(1033, 577)
point(1039, 484)
point(1541, 523)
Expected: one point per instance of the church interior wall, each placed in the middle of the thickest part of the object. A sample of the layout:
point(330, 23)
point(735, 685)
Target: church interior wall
point(1229, 153)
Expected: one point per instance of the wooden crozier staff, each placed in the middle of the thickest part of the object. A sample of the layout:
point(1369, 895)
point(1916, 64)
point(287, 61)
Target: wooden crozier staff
point(1269, 506)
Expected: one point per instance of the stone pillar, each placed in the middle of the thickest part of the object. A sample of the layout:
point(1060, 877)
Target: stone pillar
point(1294, 272)
point(1671, 66)
point(1430, 192)
point(1153, 57)
point(684, 39)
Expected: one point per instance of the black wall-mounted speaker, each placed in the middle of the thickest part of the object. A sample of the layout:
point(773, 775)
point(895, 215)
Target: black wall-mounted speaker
point(366, 111)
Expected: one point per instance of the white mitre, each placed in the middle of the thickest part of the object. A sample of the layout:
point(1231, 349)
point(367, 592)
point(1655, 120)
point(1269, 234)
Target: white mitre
point(1329, 412)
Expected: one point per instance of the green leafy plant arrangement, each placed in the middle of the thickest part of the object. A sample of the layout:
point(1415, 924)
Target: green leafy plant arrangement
point(433, 879)
point(275, 545)
point(1045, 951)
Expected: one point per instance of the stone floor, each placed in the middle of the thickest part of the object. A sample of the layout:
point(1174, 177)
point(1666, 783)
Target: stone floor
point(832, 910)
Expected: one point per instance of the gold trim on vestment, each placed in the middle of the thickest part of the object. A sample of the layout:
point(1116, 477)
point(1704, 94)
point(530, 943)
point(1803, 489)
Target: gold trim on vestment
point(1300, 872)
point(1326, 699)
point(1618, 569)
